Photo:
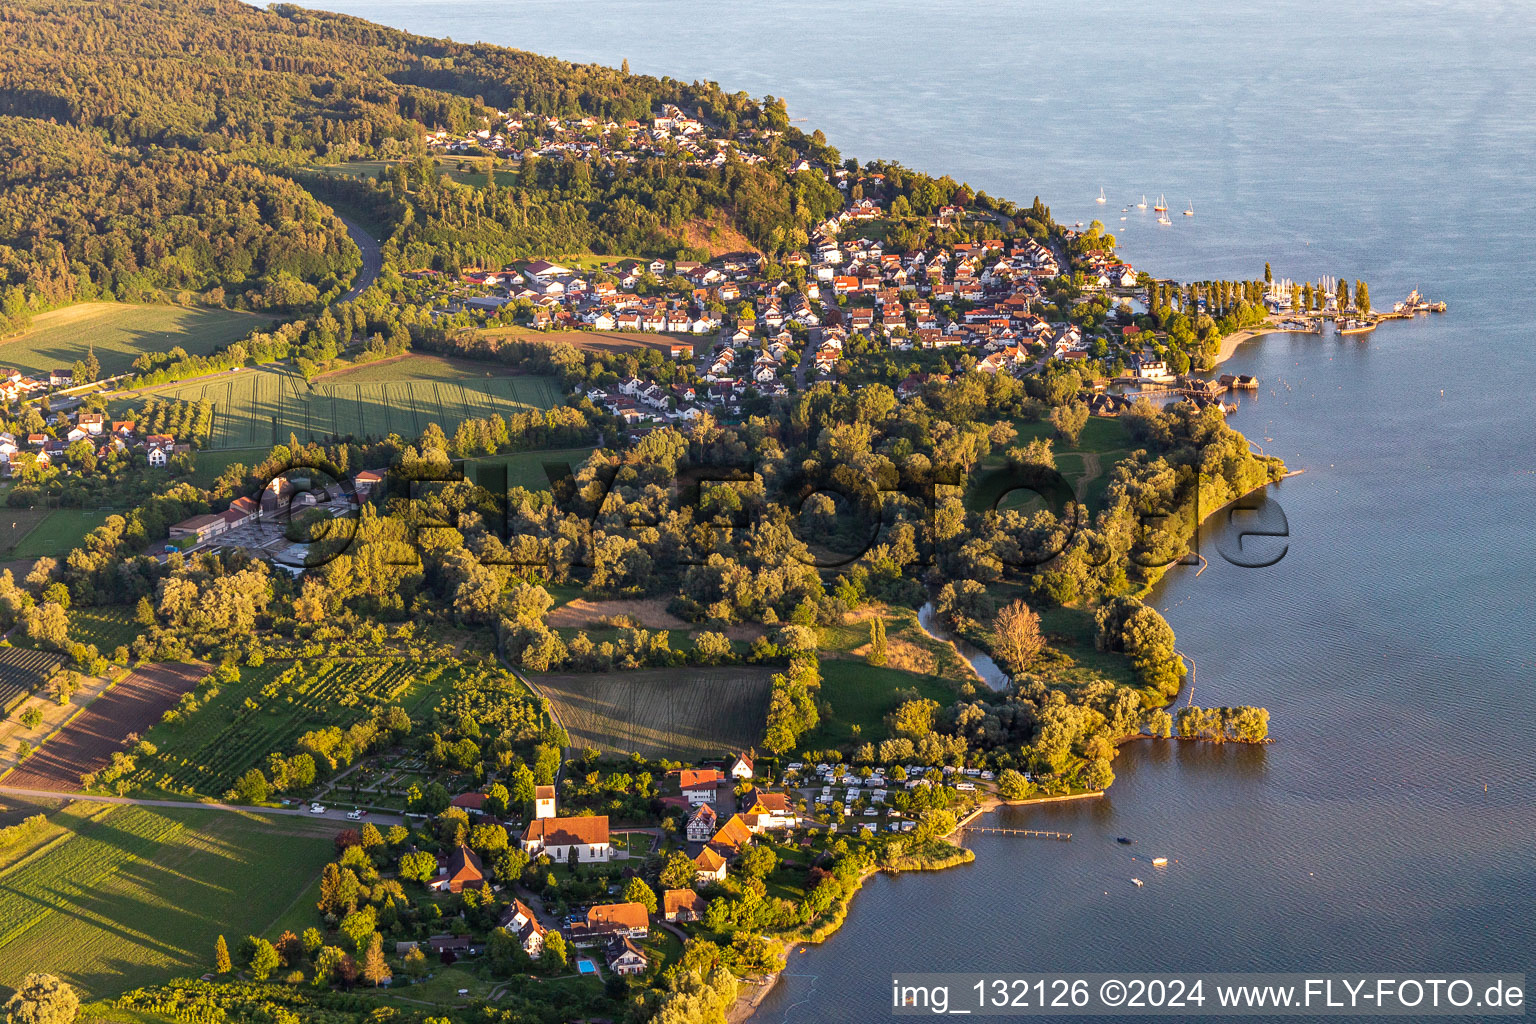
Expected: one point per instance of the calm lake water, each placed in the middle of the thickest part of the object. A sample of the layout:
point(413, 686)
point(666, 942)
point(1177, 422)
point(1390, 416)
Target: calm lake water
point(1393, 644)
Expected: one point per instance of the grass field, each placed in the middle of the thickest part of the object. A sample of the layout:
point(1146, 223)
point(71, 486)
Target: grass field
point(111, 898)
point(449, 165)
point(22, 671)
point(121, 333)
point(861, 695)
point(52, 533)
point(414, 366)
point(685, 713)
point(267, 711)
point(1085, 466)
point(208, 466)
point(264, 406)
point(524, 469)
point(600, 341)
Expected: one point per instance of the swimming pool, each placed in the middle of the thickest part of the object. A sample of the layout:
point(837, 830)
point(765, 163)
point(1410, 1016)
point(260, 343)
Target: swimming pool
point(586, 967)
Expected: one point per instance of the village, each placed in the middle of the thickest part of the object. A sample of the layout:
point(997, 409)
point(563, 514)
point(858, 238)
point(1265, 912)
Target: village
point(718, 827)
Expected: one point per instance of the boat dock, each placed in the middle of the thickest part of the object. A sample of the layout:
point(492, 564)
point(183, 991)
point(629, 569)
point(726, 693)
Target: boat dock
point(1031, 833)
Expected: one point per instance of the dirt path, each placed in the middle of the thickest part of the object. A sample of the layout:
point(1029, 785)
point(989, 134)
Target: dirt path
point(331, 814)
point(1092, 467)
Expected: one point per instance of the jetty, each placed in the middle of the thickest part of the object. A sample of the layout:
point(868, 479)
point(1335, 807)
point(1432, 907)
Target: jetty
point(1031, 833)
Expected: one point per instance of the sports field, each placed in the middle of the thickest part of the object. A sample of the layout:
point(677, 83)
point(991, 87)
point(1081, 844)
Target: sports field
point(121, 333)
point(675, 712)
point(113, 897)
point(38, 533)
point(264, 406)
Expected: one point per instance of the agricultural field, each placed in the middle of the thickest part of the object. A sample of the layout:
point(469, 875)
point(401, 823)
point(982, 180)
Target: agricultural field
point(22, 671)
point(684, 713)
point(414, 366)
point(88, 741)
point(267, 710)
point(112, 897)
point(264, 406)
point(55, 534)
point(121, 333)
point(601, 341)
point(108, 627)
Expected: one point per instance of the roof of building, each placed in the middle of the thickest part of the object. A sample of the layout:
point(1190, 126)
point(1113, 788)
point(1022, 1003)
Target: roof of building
point(709, 860)
point(674, 900)
point(733, 835)
point(618, 915)
point(689, 778)
point(591, 830)
point(464, 864)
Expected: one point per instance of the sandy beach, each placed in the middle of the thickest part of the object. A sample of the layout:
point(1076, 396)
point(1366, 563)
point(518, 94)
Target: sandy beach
point(1230, 343)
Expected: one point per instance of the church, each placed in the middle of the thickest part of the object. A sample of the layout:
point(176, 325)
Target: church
point(557, 837)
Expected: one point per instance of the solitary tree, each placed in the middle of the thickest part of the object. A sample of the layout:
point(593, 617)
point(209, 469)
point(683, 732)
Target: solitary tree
point(1016, 636)
point(877, 652)
point(42, 999)
point(375, 969)
point(221, 956)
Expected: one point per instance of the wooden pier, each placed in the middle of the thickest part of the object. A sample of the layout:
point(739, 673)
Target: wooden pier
point(1031, 833)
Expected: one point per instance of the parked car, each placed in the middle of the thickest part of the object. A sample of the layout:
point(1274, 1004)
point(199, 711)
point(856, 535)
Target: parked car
point(355, 814)
point(316, 808)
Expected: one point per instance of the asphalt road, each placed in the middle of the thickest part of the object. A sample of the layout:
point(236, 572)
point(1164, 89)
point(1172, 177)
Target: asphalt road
point(331, 813)
point(373, 258)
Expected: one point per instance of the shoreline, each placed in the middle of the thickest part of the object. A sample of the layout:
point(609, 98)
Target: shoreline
point(1232, 342)
point(747, 1003)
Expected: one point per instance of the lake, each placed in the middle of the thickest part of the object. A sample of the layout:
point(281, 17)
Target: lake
point(1389, 826)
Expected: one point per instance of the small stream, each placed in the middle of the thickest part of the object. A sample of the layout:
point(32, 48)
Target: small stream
point(981, 662)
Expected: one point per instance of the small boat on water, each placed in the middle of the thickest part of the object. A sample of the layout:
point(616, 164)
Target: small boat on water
point(1162, 205)
point(1143, 204)
point(1158, 862)
point(1123, 841)
point(1162, 218)
point(1190, 212)
point(1137, 882)
point(1354, 326)
point(1101, 198)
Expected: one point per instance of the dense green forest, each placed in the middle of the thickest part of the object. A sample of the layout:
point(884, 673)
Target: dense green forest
point(147, 146)
point(82, 219)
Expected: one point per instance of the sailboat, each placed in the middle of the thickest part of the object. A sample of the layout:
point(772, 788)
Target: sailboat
point(1143, 204)
point(1191, 211)
point(1162, 218)
point(1162, 205)
point(1101, 198)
